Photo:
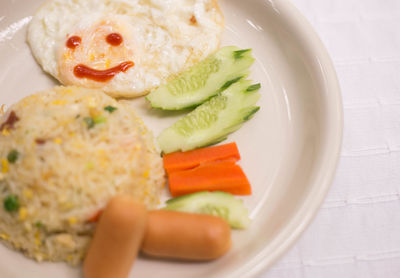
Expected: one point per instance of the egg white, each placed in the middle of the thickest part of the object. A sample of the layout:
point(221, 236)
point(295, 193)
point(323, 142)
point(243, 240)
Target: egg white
point(161, 37)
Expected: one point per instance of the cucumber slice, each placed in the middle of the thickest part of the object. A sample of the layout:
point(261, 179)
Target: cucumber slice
point(216, 203)
point(204, 80)
point(212, 121)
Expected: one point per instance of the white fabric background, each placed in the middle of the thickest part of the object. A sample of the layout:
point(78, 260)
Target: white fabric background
point(357, 231)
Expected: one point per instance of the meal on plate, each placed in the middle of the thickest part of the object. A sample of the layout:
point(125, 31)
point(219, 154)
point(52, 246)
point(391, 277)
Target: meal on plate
point(81, 175)
point(64, 153)
point(124, 47)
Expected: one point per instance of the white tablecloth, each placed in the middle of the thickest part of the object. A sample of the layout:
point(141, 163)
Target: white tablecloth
point(357, 231)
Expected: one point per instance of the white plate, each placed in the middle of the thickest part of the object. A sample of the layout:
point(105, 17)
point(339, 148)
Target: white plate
point(289, 149)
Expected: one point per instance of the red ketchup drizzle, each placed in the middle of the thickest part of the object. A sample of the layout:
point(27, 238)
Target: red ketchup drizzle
point(82, 71)
point(11, 120)
point(73, 42)
point(114, 39)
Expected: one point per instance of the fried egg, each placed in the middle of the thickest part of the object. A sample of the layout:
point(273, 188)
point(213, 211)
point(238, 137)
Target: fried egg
point(124, 47)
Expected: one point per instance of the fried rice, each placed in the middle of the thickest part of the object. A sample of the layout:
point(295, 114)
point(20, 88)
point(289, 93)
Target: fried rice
point(63, 154)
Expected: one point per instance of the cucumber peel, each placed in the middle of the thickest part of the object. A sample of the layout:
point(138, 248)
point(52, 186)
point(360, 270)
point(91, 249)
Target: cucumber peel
point(204, 80)
point(212, 121)
point(239, 53)
point(217, 203)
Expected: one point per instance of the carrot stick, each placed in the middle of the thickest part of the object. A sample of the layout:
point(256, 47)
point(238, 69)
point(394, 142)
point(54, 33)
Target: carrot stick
point(186, 160)
point(211, 176)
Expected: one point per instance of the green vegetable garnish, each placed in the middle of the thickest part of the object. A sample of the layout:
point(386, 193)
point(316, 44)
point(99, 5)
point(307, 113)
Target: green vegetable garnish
point(254, 87)
point(239, 53)
point(11, 203)
point(38, 224)
point(12, 156)
point(89, 122)
point(251, 113)
point(216, 203)
point(110, 108)
point(230, 82)
point(212, 121)
point(99, 120)
point(204, 80)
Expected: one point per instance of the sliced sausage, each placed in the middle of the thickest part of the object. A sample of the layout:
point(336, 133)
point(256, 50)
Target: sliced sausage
point(187, 236)
point(117, 239)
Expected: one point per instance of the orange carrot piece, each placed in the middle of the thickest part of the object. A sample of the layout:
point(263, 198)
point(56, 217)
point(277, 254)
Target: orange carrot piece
point(211, 176)
point(186, 160)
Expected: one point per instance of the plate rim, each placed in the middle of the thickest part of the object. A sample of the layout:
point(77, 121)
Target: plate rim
point(308, 210)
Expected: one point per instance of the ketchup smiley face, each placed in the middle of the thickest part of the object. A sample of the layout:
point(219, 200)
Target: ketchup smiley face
point(81, 70)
